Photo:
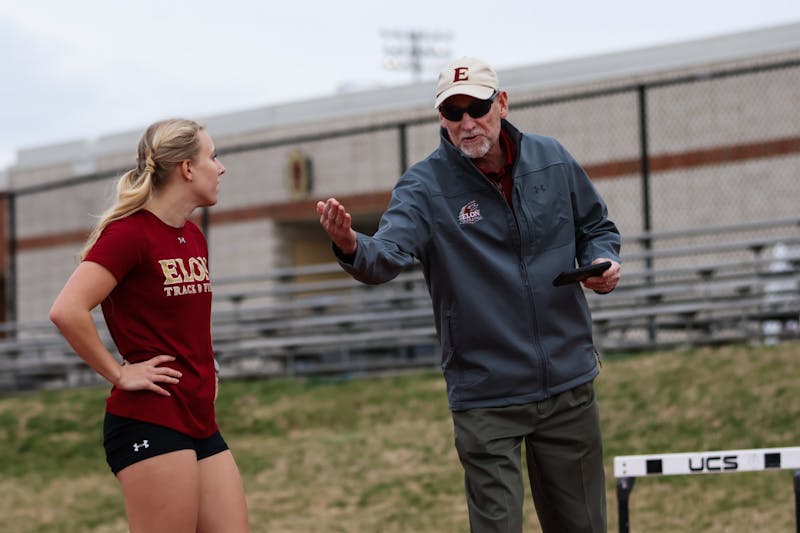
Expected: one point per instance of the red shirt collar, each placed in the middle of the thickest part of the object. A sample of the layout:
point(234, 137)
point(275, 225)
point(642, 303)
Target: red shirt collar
point(510, 151)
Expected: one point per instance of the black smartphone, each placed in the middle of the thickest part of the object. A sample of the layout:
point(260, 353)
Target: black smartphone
point(581, 273)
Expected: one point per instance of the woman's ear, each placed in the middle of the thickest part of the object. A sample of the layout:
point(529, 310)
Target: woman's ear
point(186, 169)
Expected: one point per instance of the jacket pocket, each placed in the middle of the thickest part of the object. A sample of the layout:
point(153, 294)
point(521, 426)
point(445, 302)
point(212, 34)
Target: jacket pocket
point(547, 208)
point(448, 348)
point(460, 369)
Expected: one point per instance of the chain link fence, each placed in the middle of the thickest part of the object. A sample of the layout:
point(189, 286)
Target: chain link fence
point(695, 150)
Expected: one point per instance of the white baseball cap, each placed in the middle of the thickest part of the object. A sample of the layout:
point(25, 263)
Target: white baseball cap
point(467, 75)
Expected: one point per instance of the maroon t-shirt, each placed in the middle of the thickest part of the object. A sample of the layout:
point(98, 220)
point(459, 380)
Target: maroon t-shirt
point(161, 305)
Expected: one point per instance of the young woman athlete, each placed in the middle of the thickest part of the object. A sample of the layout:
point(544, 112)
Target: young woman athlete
point(146, 264)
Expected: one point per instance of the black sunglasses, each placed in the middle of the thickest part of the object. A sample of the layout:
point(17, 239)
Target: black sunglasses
point(476, 109)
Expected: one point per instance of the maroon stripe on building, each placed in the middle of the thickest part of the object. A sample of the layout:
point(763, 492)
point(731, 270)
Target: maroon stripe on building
point(697, 158)
point(376, 202)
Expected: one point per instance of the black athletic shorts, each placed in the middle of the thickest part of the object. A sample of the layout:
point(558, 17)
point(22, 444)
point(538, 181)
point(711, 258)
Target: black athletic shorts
point(129, 441)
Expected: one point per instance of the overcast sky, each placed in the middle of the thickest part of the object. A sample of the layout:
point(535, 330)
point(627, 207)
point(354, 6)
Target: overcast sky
point(79, 69)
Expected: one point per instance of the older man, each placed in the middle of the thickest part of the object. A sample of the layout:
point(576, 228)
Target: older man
point(494, 215)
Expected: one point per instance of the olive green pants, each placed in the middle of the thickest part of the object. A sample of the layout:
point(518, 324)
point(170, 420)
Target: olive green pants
point(564, 455)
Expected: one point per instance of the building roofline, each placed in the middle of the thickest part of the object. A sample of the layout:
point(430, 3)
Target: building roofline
point(621, 65)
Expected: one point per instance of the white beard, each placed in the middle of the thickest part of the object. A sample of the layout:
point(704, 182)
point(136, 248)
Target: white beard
point(476, 152)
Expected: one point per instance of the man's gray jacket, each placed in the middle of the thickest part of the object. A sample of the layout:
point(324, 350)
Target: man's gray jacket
point(507, 335)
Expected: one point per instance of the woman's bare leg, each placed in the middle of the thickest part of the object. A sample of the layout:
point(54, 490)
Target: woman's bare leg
point(162, 494)
point(222, 501)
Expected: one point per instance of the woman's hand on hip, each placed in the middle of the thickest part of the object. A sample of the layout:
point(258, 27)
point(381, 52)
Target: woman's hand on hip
point(147, 375)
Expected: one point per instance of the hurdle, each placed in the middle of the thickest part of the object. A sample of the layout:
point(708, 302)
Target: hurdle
point(628, 467)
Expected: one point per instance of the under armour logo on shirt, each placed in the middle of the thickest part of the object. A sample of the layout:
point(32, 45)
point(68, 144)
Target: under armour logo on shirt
point(144, 444)
point(181, 240)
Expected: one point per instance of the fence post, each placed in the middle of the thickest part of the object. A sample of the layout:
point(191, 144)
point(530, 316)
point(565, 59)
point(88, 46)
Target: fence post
point(624, 488)
point(11, 272)
point(644, 162)
point(797, 499)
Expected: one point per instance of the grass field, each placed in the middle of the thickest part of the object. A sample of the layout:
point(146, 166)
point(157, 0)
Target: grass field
point(376, 454)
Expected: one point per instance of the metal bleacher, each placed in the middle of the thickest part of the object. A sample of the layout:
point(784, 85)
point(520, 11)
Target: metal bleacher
point(697, 287)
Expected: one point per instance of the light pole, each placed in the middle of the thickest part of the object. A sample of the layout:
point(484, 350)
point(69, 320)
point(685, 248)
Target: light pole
point(409, 49)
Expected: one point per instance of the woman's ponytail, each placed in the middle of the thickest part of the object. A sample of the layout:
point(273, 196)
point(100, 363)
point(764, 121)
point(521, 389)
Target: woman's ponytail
point(164, 145)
